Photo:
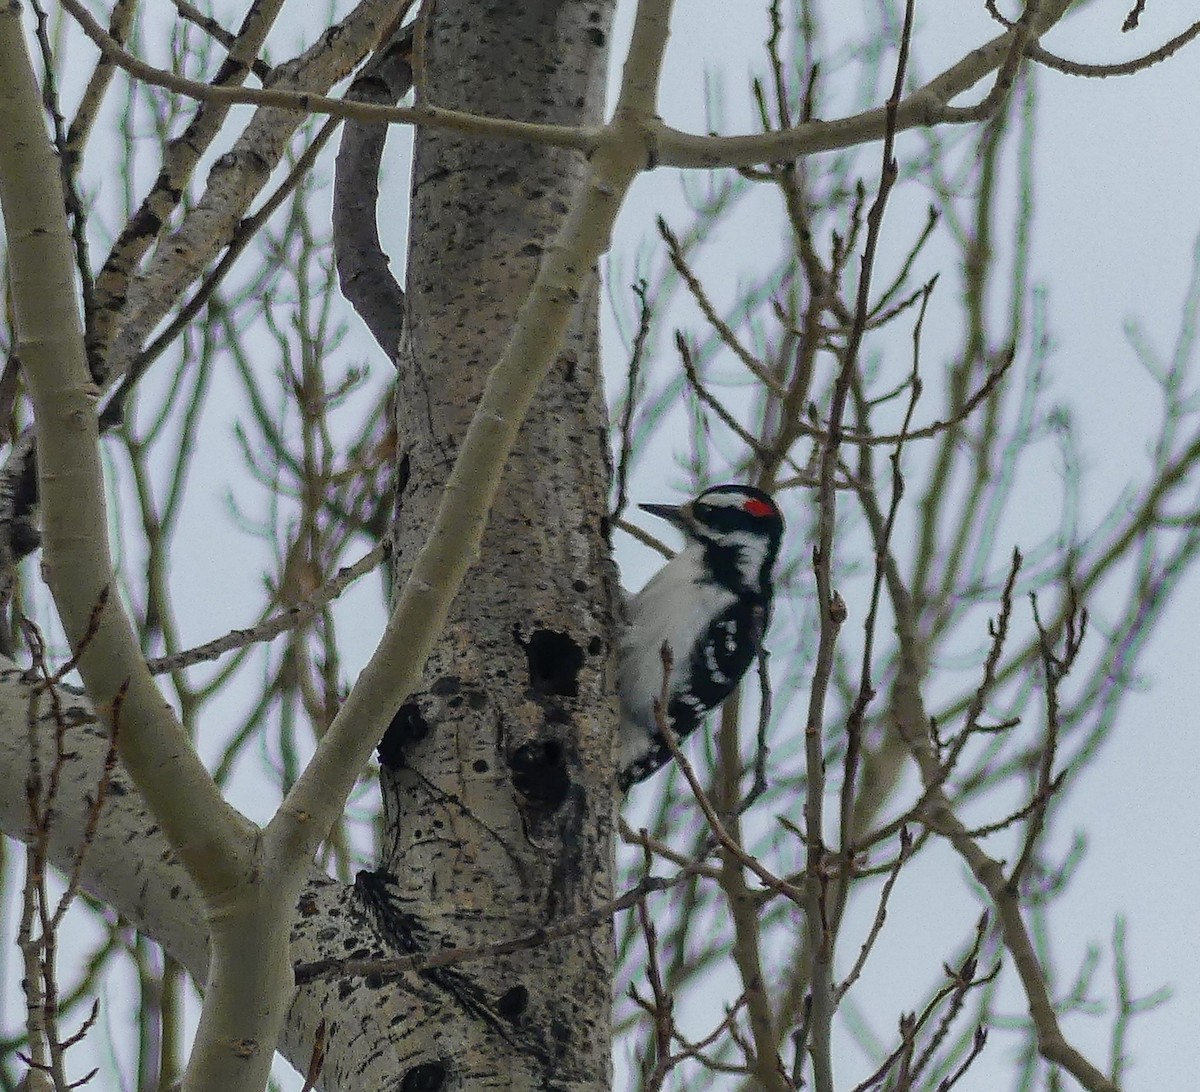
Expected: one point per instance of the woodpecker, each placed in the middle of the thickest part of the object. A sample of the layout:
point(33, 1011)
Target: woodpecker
point(710, 604)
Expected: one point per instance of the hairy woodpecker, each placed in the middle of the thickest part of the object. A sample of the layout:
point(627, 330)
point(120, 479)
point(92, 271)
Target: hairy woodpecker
point(710, 604)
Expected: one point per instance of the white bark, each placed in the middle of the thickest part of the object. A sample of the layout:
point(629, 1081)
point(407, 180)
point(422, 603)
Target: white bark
point(184, 253)
point(130, 867)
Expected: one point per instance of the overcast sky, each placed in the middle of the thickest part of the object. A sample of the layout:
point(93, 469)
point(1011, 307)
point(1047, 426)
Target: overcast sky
point(1117, 222)
point(1117, 178)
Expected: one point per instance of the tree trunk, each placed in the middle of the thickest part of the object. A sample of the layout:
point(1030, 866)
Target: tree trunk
point(497, 778)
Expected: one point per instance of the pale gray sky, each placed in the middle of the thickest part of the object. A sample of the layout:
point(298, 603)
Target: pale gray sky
point(1117, 173)
point(1117, 177)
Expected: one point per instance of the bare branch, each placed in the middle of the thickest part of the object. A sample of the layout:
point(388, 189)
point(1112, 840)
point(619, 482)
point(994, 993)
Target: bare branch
point(180, 160)
point(362, 266)
point(1044, 57)
point(219, 34)
point(546, 934)
point(632, 378)
point(559, 136)
point(280, 623)
point(880, 917)
point(928, 106)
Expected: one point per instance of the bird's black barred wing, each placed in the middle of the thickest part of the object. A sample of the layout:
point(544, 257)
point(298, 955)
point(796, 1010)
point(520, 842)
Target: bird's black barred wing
point(717, 663)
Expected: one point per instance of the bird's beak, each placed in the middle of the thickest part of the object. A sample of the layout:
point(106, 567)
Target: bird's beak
point(678, 514)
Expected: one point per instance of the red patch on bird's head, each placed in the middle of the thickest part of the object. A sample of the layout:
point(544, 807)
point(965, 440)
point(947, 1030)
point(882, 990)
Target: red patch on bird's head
point(756, 507)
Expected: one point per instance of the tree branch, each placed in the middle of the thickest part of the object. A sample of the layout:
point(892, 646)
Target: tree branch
point(393, 672)
point(362, 267)
point(926, 107)
point(273, 626)
point(130, 866)
point(213, 222)
point(78, 566)
point(180, 159)
point(560, 136)
point(250, 974)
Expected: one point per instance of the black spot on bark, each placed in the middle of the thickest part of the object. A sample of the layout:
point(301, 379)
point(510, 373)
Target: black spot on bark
point(23, 530)
point(403, 473)
point(513, 1002)
point(477, 699)
point(596, 36)
point(446, 686)
point(479, 766)
point(408, 728)
point(567, 875)
point(378, 521)
point(555, 660)
point(426, 1077)
point(145, 222)
point(595, 646)
point(539, 772)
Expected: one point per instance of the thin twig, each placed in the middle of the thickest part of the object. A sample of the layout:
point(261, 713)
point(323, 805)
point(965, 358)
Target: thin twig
point(280, 623)
point(935, 428)
point(662, 1008)
point(1055, 668)
point(1044, 57)
point(535, 938)
point(559, 136)
point(632, 377)
point(820, 933)
point(114, 409)
point(218, 33)
point(906, 843)
point(723, 330)
point(723, 837)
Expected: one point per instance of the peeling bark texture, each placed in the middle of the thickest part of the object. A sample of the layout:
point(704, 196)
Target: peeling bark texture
point(498, 775)
point(363, 272)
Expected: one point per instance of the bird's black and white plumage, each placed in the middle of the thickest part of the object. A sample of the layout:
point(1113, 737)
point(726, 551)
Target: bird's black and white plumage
point(710, 604)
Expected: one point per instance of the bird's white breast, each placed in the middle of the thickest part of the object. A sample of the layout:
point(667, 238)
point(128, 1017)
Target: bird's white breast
point(675, 607)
